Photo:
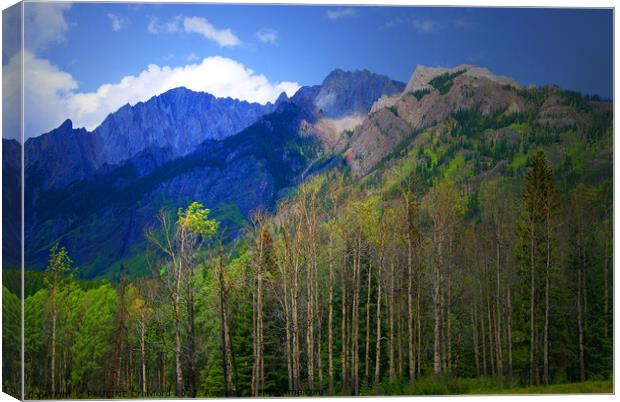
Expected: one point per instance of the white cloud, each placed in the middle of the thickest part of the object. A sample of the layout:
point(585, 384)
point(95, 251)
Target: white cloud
point(223, 37)
point(118, 22)
point(197, 25)
point(340, 13)
point(420, 25)
point(426, 26)
point(464, 23)
point(171, 26)
point(267, 35)
point(52, 95)
point(44, 24)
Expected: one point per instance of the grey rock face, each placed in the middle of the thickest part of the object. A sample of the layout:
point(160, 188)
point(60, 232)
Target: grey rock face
point(423, 75)
point(176, 121)
point(179, 119)
point(344, 93)
point(61, 156)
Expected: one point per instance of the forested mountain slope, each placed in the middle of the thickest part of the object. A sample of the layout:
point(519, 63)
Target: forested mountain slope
point(85, 188)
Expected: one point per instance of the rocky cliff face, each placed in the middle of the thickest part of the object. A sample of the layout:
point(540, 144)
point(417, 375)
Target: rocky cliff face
point(172, 124)
point(464, 88)
point(61, 156)
point(422, 76)
point(345, 93)
point(179, 119)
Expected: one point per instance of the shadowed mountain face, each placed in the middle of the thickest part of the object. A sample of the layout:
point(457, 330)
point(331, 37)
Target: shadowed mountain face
point(103, 219)
point(179, 119)
point(97, 192)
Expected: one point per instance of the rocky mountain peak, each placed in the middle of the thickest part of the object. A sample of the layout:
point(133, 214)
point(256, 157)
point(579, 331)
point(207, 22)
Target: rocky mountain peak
point(353, 92)
point(423, 75)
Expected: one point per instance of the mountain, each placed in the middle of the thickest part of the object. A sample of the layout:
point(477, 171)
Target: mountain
point(62, 156)
point(469, 124)
point(177, 147)
point(171, 124)
point(103, 219)
point(345, 93)
point(439, 98)
point(11, 200)
point(178, 119)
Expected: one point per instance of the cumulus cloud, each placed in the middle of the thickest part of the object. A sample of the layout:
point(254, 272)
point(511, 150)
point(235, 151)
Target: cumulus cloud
point(118, 22)
point(267, 35)
point(197, 25)
point(52, 95)
point(340, 13)
point(44, 24)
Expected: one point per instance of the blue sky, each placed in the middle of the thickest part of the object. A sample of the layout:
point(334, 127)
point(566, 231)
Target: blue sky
point(88, 45)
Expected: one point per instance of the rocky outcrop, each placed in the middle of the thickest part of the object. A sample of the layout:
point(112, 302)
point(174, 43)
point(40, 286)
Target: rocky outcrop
point(351, 93)
point(394, 118)
point(423, 75)
point(62, 156)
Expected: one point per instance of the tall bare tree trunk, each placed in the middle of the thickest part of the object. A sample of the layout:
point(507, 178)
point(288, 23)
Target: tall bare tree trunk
point(582, 375)
point(310, 329)
point(345, 340)
point(509, 315)
point(143, 355)
point(410, 340)
point(474, 325)
point(367, 354)
point(498, 330)
point(289, 357)
point(546, 334)
point(227, 357)
point(191, 342)
point(53, 362)
point(491, 336)
point(330, 318)
point(437, 312)
point(606, 289)
point(319, 325)
point(390, 306)
point(177, 340)
point(484, 343)
point(449, 327)
point(296, 330)
point(533, 370)
point(419, 323)
point(355, 317)
point(378, 341)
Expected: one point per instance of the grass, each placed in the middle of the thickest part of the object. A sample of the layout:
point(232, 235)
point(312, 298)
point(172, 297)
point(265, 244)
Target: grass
point(489, 386)
point(486, 386)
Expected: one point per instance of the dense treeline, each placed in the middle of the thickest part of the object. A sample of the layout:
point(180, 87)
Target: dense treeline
point(468, 253)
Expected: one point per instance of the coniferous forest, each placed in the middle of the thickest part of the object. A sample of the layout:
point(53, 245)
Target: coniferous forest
point(422, 277)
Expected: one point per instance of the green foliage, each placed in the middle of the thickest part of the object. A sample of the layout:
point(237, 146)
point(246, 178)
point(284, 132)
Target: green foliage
point(196, 220)
point(93, 340)
point(419, 93)
point(444, 82)
point(11, 342)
